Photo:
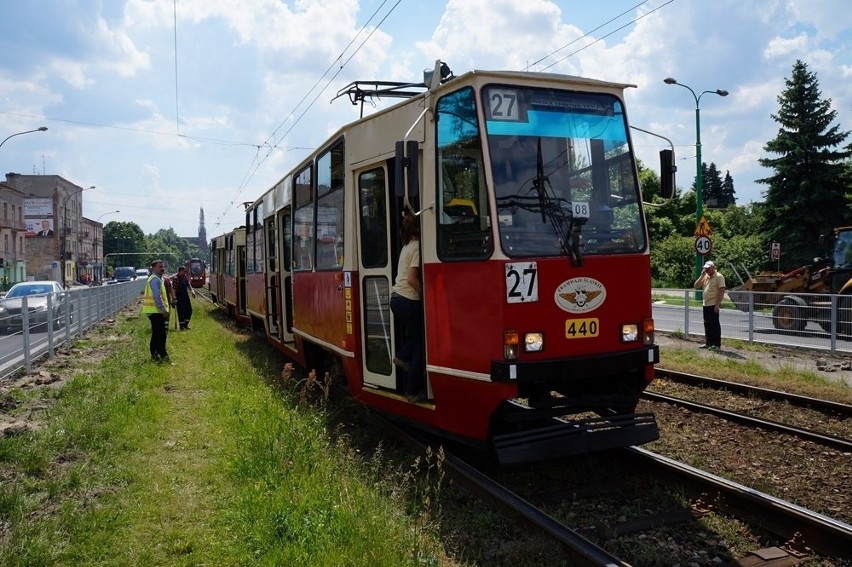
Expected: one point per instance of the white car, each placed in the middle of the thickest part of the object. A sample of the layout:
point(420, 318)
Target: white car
point(142, 273)
point(37, 294)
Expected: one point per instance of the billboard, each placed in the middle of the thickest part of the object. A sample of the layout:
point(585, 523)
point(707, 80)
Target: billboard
point(38, 216)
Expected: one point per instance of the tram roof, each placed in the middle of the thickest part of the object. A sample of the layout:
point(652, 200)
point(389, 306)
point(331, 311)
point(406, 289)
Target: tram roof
point(404, 91)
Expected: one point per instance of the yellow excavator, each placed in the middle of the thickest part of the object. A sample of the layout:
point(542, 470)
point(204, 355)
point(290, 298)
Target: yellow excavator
point(796, 297)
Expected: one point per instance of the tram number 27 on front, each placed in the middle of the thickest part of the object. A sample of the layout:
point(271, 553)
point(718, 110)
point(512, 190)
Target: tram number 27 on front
point(521, 282)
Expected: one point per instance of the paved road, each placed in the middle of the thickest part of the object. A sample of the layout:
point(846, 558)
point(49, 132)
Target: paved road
point(756, 327)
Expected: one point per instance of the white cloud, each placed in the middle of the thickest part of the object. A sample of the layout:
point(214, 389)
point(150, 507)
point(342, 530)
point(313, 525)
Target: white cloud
point(782, 47)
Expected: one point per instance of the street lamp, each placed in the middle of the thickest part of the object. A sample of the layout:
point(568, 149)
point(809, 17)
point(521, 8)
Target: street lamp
point(699, 195)
point(64, 236)
point(100, 272)
point(5, 279)
point(39, 129)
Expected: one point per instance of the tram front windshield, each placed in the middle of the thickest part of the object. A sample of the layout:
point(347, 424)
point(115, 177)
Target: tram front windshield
point(563, 173)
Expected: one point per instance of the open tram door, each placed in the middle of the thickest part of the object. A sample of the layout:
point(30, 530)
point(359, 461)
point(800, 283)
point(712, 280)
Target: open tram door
point(375, 274)
point(380, 209)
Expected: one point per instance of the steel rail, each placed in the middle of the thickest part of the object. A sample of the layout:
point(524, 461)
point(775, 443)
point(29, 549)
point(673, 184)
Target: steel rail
point(580, 550)
point(764, 393)
point(824, 535)
point(807, 434)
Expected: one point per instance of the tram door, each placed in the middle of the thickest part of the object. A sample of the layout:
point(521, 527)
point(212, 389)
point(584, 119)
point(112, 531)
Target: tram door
point(284, 287)
point(376, 275)
point(272, 278)
point(241, 278)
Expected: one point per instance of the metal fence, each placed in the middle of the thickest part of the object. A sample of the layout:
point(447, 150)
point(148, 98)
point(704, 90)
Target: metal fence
point(817, 321)
point(79, 310)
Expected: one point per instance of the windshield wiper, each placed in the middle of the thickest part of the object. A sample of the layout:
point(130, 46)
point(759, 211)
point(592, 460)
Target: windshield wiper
point(559, 212)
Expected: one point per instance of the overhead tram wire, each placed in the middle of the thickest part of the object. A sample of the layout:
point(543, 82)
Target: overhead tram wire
point(606, 36)
point(587, 34)
point(177, 107)
point(272, 136)
point(256, 163)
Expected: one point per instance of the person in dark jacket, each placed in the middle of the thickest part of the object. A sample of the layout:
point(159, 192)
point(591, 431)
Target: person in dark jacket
point(182, 290)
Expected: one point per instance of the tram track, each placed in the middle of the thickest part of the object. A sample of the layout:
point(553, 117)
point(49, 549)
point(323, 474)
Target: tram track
point(841, 409)
point(798, 531)
point(816, 420)
point(840, 443)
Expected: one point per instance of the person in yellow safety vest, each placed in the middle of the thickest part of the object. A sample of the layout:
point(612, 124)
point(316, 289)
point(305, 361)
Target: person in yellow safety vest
point(155, 304)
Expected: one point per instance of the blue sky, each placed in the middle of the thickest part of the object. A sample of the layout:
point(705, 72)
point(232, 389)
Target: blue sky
point(161, 133)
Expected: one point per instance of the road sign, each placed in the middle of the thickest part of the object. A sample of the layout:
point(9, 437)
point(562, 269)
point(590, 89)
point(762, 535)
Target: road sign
point(703, 245)
point(703, 227)
point(775, 251)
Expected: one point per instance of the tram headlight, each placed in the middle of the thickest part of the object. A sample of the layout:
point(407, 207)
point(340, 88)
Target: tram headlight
point(510, 344)
point(629, 333)
point(533, 342)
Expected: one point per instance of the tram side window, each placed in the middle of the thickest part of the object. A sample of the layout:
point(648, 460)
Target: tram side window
point(271, 240)
point(374, 222)
point(329, 229)
point(229, 253)
point(286, 257)
point(255, 263)
point(464, 226)
point(303, 222)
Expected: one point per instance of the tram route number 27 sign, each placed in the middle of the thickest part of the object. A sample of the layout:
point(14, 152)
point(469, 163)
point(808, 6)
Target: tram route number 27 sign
point(521, 282)
point(703, 245)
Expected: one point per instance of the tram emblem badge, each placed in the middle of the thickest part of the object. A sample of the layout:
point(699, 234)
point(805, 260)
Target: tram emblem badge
point(580, 295)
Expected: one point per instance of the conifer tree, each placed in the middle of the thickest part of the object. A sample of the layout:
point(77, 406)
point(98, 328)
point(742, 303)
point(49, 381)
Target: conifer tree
point(806, 195)
point(727, 194)
point(712, 192)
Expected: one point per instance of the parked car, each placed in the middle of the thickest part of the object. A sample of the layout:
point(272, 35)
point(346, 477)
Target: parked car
point(37, 294)
point(124, 274)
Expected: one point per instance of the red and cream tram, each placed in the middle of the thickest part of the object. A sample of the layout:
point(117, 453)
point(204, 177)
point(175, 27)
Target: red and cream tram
point(535, 263)
point(197, 272)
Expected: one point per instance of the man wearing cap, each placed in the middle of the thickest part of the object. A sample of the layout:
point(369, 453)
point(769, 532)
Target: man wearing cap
point(713, 285)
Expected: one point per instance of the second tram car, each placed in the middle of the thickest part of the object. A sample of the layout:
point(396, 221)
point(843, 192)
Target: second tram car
point(197, 270)
point(535, 264)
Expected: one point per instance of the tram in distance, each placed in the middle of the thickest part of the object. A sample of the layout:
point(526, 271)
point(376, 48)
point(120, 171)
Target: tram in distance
point(197, 271)
point(535, 266)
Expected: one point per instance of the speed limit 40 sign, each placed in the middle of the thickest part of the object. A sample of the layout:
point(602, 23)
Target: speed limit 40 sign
point(703, 245)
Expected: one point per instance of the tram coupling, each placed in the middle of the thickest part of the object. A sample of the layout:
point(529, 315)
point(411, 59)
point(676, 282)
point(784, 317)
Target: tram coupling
point(560, 437)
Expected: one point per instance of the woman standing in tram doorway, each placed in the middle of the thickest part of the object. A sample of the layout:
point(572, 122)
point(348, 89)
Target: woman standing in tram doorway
point(407, 306)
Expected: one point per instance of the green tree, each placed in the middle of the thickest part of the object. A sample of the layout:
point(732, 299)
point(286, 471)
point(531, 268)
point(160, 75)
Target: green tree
point(726, 196)
point(712, 187)
point(165, 244)
point(807, 190)
point(123, 241)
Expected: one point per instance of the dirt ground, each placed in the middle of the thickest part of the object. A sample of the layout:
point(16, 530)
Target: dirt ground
point(21, 400)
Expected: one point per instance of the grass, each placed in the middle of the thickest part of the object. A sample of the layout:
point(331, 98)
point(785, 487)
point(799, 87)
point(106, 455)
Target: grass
point(208, 462)
point(780, 377)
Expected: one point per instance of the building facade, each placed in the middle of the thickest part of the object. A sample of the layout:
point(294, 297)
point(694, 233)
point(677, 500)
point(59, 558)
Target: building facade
point(13, 266)
point(55, 241)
